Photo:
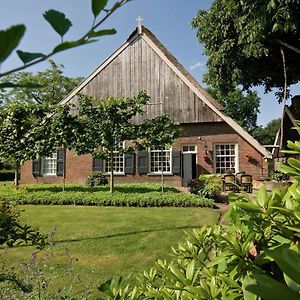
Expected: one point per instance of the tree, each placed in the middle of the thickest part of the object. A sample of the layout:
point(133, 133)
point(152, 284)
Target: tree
point(159, 133)
point(241, 107)
point(266, 135)
point(23, 133)
point(251, 43)
point(49, 86)
point(11, 37)
point(105, 123)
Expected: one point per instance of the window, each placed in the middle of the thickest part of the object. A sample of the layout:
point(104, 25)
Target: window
point(189, 149)
point(160, 160)
point(49, 164)
point(225, 158)
point(118, 160)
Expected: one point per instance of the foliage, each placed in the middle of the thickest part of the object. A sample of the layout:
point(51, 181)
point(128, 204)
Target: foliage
point(50, 86)
point(255, 256)
point(12, 232)
point(240, 106)
point(104, 123)
point(266, 135)
point(279, 176)
point(23, 132)
point(241, 36)
point(100, 196)
point(7, 175)
point(11, 37)
point(207, 185)
point(96, 179)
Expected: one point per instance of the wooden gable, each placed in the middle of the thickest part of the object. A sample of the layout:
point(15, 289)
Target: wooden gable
point(139, 67)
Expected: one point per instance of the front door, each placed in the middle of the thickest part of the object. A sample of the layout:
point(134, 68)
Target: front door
point(189, 163)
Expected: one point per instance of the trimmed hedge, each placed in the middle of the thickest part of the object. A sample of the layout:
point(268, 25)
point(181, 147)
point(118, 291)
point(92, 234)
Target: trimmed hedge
point(106, 199)
point(7, 175)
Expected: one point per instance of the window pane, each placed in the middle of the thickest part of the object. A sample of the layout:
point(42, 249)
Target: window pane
point(225, 156)
point(49, 164)
point(160, 160)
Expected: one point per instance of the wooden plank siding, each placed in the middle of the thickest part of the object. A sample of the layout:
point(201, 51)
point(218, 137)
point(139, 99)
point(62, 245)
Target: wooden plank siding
point(138, 67)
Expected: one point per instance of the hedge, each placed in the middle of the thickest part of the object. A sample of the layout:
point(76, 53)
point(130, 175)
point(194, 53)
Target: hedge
point(106, 199)
point(7, 175)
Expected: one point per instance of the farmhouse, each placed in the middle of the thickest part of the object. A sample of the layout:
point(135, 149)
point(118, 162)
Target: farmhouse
point(211, 141)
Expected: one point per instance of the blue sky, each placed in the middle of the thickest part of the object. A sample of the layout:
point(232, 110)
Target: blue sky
point(167, 19)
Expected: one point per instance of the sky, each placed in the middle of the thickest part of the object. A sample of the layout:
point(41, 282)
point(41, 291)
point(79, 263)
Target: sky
point(169, 20)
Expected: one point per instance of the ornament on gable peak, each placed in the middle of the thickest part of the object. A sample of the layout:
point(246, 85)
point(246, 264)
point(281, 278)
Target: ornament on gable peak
point(139, 20)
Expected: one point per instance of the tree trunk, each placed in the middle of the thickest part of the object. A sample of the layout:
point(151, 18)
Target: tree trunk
point(64, 173)
point(17, 172)
point(162, 171)
point(111, 163)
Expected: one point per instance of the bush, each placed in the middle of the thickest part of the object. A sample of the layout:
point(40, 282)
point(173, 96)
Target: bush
point(96, 179)
point(279, 176)
point(208, 185)
point(7, 175)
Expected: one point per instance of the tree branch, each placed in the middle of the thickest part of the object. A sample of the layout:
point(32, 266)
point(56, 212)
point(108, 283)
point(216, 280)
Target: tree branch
point(84, 37)
point(284, 75)
point(297, 50)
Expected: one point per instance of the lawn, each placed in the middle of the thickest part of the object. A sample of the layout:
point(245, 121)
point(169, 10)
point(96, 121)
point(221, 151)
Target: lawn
point(98, 242)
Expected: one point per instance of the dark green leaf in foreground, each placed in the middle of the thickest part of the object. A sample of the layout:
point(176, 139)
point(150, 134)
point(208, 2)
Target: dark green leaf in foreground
point(58, 21)
point(27, 57)
point(9, 40)
point(102, 32)
point(97, 6)
point(69, 45)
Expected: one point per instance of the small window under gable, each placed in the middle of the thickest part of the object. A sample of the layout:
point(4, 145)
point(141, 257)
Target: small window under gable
point(160, 160)
point(225, 158)
point(49, 165)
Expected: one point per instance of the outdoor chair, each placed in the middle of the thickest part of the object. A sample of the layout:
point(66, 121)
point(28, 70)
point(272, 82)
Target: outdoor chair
point(229, 183)
point(246, 183)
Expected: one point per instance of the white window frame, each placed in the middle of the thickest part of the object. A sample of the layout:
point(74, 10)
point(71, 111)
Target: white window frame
point(150, 151)
point(46, 162)
point(189, 151)
point(236, 156)
point(106, 166)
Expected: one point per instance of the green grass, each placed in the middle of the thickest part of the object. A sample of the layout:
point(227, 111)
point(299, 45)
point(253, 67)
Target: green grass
point(106, 241)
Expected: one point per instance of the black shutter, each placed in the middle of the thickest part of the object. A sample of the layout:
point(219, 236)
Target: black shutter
point(36, 167)
point(60, 163)
point(129, 163)
point(97, 164)
point(143, 166)
point(176, 162)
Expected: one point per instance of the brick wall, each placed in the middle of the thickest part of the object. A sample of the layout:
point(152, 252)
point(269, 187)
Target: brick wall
point(203, 135)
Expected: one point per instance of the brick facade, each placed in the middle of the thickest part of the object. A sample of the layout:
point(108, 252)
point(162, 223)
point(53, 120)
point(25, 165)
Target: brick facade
point(204, 136)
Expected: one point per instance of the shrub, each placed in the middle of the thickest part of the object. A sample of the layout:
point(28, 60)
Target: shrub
point(96, 179)
point(207, 185)
point(279, 176)
point(7, 175)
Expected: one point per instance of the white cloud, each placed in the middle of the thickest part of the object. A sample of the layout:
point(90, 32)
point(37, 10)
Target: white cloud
point(198, 65)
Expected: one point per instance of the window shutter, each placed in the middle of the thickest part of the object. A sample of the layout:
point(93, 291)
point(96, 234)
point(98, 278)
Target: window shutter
point(143, 166)
point(60, 163)
point(129, 163)
point(36, 167)
point(176, 162)
point(97, 164)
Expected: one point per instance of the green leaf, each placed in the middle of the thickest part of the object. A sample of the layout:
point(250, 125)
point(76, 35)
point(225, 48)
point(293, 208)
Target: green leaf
point(269, 288)
point(249, 206)
point(246, 282)
point(102, 32)
point(262, 198)
point(288, 261)
point(10, 39)
point(97, 6)
point(72, 44)
point(58, 21)
point(26, 57)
